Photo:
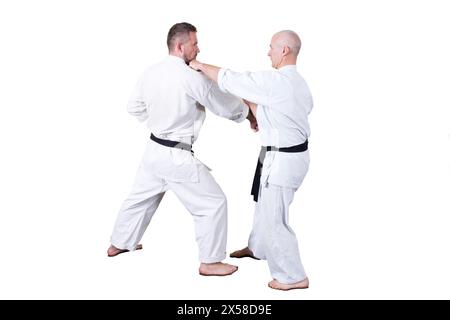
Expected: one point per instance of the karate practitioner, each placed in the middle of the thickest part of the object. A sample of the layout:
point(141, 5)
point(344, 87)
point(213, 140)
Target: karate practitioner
point(172, 98)
point(281, 101)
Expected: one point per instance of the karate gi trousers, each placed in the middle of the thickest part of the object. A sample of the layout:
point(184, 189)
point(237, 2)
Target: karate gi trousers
point(272, 238)
point(163, 168)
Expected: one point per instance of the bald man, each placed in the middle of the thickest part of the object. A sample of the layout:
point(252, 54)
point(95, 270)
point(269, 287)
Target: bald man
point(281, 101)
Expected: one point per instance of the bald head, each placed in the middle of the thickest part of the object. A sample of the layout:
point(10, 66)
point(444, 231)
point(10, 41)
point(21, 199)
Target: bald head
point(289, 39)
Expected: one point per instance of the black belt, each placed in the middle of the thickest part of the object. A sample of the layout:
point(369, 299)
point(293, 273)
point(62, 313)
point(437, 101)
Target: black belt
point(172, 144)
point(262, 155)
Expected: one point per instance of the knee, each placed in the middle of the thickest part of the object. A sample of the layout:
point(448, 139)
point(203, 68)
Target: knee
point(216, 204)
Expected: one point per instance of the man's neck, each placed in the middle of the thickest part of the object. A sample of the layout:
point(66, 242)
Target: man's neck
point(287, 62)
point(177, 55)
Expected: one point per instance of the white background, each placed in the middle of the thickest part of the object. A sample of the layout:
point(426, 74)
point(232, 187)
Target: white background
point(372, 216)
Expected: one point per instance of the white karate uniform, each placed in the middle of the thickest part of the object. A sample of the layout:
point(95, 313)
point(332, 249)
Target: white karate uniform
point(172, 98)
point(284, 102)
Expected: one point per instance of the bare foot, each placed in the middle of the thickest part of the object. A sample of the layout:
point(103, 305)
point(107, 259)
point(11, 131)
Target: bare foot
point(243, 253)
point(113, 251)
point(274, 284)
point(216, 269)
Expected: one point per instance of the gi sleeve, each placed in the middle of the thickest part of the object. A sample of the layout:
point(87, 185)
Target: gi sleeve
point(136, 104)
point(251, 86)
point(224, 104)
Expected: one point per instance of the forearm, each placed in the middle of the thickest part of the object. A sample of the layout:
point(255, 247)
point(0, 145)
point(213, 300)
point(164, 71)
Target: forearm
point(138, 109)
point(251, 117)
point(252, 106)
point(210, 71)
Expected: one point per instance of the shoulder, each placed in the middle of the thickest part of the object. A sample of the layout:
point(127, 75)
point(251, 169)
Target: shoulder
point(196, 79)
point(261, 74)
point(265, 76)
point(151, 70)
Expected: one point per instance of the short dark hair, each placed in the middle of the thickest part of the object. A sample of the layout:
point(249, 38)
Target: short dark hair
point(179, 29)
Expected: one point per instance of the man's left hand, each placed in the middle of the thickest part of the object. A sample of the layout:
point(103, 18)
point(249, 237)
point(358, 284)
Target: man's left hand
point(194, 64)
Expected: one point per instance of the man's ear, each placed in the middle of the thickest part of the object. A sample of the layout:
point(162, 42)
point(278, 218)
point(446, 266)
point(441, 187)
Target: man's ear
point(179, 46)
point(286, 50)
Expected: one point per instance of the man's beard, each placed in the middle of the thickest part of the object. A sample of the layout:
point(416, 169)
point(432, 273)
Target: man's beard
point(186, 60)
